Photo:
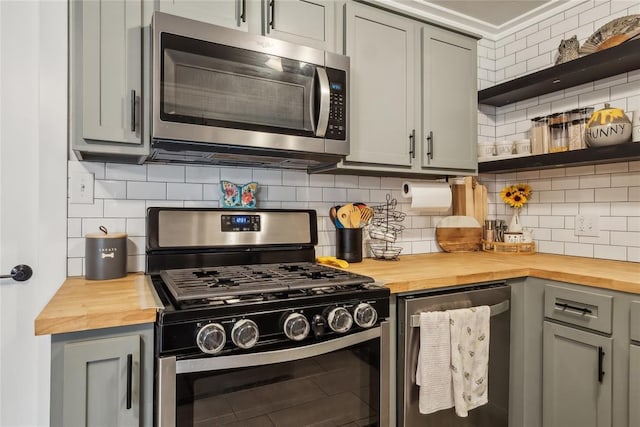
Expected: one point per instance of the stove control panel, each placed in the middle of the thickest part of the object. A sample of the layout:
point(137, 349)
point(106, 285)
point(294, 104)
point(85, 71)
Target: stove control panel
point(240, 222)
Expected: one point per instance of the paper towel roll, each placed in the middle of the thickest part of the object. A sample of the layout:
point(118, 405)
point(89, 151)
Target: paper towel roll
point(428, 196)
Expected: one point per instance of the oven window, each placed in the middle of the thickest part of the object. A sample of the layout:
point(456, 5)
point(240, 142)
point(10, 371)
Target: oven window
point(335, 389)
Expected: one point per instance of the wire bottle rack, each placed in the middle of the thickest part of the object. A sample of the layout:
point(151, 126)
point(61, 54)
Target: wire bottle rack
point(384, 229)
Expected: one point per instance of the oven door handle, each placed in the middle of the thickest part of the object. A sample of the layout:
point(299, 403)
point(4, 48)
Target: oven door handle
point(277, 356)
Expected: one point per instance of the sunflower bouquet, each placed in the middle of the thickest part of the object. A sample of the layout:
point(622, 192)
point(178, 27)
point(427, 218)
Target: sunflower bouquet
point(517, 195)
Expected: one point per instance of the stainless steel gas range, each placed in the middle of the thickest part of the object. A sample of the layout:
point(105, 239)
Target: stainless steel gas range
point(254, 332)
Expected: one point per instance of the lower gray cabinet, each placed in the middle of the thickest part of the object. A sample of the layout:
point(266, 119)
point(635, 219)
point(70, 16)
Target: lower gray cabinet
point(634, 385)
point(103, 377)
point(577, 377)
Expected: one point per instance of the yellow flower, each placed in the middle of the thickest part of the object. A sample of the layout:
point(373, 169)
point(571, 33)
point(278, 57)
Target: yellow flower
point(516, 195)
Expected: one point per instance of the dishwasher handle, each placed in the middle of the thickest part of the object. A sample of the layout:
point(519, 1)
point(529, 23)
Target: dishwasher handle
point(501, 307)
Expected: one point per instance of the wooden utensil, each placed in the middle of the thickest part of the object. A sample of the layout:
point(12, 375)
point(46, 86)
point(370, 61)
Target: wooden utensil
point(354, 217)
point(479, 202)
point(333, 213)
point(344, 214)
point(366, 213)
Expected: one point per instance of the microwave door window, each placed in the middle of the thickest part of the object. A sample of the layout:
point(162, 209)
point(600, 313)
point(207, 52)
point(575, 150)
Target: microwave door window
point(238, 89)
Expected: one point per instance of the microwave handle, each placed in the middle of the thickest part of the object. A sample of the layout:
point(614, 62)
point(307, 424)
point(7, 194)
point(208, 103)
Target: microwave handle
point(325, 104)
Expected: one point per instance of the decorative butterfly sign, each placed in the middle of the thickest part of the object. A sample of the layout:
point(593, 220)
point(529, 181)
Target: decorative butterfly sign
point(238, 196)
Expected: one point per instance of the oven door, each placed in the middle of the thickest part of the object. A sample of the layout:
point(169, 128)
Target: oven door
point(332, 383)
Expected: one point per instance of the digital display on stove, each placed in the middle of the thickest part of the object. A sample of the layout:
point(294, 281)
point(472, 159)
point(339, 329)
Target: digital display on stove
point(240, 222)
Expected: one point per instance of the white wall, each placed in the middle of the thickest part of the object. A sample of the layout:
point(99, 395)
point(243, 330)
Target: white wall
point(32, 197)
point(610, 191)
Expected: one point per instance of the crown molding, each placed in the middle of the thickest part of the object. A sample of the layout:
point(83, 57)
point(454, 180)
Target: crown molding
point(442, 16)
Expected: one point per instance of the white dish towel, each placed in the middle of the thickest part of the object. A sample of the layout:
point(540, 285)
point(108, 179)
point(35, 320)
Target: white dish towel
point(469, 329)
point(433, 373)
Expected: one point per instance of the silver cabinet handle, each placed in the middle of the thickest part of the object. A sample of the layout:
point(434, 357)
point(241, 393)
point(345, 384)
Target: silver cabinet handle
point(412, 144)
point(325, 104)
point(243, 11)
point(272, 15)
point(133, 110)
point(496, 309)
point(430, 145)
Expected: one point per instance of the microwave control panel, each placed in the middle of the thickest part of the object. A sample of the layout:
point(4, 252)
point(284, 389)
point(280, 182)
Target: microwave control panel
point(337, 127)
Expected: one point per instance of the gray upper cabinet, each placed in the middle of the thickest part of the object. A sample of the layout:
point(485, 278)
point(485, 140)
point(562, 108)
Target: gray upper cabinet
point(106, 78)
point(577, 377)
point(413, 107)
point(226, 13)
point(381, 47)
point(304, 22)
point(449, 100)
point(103, 377)
point(309, 23)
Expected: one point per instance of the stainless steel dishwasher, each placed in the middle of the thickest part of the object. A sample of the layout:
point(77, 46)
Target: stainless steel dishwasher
point(493, 414)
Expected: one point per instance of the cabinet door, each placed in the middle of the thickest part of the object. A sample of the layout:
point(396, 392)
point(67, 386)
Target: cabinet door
point(309, 23)
point(449, 100)
point(381, 47)
point(573, 392)
point(111, 70)
point(227, 13)
point(634, 385)
point(102, 382)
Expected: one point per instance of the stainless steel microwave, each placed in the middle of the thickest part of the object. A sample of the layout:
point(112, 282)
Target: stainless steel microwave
point(223, 96)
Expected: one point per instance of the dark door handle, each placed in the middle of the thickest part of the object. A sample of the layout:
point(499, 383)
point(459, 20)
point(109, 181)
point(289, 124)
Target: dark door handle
point(412, 144)
point(565, 306)
point(19, 273)
point(129, 378)
point(430, 145)
point(601, 354)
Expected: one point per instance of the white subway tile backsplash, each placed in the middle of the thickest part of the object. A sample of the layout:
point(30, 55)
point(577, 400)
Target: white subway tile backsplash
point(321, 180)
point(268, 177)
point(580, 170)
point(550, 247)
point(551, 196)
point(580, 196)
point(625, 238)
point(565, 209)
point(551, 221)
point(629, 209)
point(85, 210)
point(595, 181)
point(526, 54)
point(122, 172)
point(346, 181)
point(113, 225)
point(611, 194)
point(146, 190)
point(238, 176)
point(96, 168)
point(74, 227)
point(183, 191)
point(334, 195)
point(295, 178)
point(634, 194)
point(515, 70)
point(566, 183)
point(74, 266)
point(202, 174)
point(107, 189)
point(578, 249)
point(124, 208)
point(165, 173)
point(618, 253)
point(136, 227)
point(515, 46)
point(564, 26)
point(308, 194)
point(75, 247)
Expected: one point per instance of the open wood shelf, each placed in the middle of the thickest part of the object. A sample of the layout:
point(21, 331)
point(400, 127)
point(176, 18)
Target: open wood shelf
point(610, 62)
point(588, 156)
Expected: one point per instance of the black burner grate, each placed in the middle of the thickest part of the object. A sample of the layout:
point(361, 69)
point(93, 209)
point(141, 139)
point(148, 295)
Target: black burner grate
point(199, 283)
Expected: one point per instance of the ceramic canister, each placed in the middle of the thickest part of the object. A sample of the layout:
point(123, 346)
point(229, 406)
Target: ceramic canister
point(608, 126)
point(105, 255)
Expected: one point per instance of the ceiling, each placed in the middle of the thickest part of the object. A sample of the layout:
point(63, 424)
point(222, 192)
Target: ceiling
point(495, 13)
point(490, 19)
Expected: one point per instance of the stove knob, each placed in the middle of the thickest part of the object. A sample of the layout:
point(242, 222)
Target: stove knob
point(211, 338)
point(340, 320)
point(296, 327)
point(364, 315)
point(244, 333)
point(317, 325)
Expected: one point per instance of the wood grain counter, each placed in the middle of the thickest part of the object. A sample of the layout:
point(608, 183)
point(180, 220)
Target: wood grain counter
point(82, 304)
point(429, 271)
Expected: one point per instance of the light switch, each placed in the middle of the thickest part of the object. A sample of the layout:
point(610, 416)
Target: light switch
point(81, 188)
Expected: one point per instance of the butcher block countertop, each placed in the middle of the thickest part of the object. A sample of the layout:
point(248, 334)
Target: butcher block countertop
point(82, 304)
point(428, 271)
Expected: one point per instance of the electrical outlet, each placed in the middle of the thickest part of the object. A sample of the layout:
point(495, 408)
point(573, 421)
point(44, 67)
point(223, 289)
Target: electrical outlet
point(81, 188)
point(587, 225)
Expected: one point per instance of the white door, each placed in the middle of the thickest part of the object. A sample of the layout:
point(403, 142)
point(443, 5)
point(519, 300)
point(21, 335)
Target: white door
point(33, 218)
